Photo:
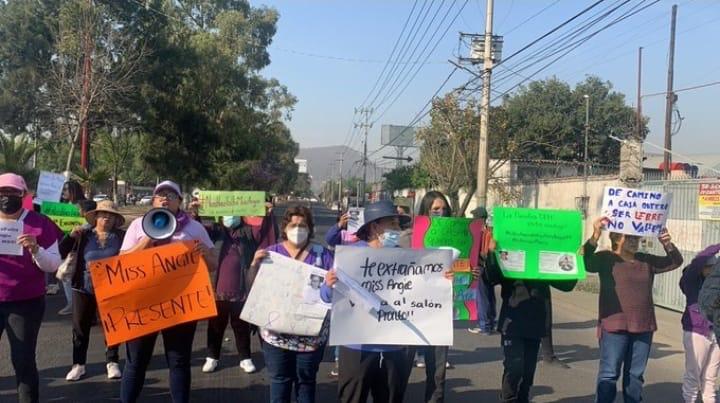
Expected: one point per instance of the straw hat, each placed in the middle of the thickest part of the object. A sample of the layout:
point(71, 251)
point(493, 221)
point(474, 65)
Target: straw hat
point(107, 206)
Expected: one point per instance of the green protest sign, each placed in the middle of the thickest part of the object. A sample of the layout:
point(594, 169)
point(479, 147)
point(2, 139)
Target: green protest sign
point(65, 215)
point(535, 244)
point(215, 203)
point(59, 209)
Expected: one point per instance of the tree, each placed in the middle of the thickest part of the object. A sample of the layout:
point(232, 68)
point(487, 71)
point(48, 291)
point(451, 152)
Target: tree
point(448, 154)
point(403, 177)
point(15, 155)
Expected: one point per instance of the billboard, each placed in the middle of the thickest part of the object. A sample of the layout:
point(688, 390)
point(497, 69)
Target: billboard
point(302, 166)
point(397, 136)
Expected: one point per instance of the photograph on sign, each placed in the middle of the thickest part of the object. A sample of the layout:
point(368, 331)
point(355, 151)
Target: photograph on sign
point(539, 244)
point(416, 303)
point(635, 211)
point(356, 219)
point(285, 297)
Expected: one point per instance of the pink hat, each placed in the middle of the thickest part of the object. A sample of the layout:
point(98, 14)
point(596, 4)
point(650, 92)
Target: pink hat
point(10, 180)
point(168, 185)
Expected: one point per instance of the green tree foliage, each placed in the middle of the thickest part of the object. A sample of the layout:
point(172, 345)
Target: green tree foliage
point(177, 83)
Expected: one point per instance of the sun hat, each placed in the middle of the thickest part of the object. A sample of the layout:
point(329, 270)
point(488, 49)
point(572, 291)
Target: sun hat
point(11, 180)
point(106, 206)
point(377, 211)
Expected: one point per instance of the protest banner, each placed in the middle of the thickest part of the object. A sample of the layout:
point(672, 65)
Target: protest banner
point(415, 297)
point(10, 230)
point(215, 203)
point(50, 186)
point(465, 235)
point(634, 211)
point(64, 215)
point(356, 219)
point(285, 297)
point(534, 244)
point(150, 290)
point(709, 201)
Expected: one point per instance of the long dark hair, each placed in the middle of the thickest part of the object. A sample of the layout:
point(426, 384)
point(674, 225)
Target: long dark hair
point(75, 191)
point(428, 200)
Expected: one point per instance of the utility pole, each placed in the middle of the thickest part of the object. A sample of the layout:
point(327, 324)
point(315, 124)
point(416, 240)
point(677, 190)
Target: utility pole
point(585, 156)
point(366, 125)
point(340, 183)
point(670, 97)
point(482, 169)
point(85, 99)
point(639, 120)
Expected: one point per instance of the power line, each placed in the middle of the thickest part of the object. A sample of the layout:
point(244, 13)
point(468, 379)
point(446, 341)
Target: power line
point(525, 21)
point(343, 59)
point(695, 87)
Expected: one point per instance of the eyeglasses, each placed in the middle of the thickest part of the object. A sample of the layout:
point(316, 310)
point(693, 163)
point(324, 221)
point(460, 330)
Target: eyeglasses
point(170, 196)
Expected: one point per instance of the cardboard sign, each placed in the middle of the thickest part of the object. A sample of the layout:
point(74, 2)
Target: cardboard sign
point(709, 201)
point(465, 235)
point(634, 211)
point(150, 290)
point(10, 230)
point(537, 244)
point(64, 215)
point(415, 298)
point(50, 186)
point(356, 220)
point(285, 297)
point(231, 203)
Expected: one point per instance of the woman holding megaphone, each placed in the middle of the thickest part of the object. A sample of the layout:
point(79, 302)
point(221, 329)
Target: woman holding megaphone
point(177, 339)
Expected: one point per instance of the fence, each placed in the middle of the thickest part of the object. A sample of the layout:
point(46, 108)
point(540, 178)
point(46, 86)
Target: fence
point(689, 232)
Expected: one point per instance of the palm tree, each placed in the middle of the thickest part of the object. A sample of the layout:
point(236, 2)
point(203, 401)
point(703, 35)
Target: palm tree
point(16, 153)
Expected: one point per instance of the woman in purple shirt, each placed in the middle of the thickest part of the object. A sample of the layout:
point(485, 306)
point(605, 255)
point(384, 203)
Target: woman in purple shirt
point(22, 279)
point(702, 355)
point(294, 359)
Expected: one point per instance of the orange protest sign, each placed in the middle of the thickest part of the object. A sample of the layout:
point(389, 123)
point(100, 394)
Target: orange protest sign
point(147, 291)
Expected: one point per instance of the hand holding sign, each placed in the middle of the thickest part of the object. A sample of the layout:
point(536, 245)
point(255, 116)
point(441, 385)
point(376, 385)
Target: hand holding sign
point(634, 211)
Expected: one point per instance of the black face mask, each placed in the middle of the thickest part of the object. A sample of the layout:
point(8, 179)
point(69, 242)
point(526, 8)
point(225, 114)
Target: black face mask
point(10, 204)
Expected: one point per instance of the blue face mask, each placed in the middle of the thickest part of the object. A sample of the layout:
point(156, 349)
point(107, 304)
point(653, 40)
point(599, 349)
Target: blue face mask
point(231, 221)
point(437, 213)
point(390, 238)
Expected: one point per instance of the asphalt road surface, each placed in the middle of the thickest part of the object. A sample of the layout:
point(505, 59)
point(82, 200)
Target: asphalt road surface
point(475, 376)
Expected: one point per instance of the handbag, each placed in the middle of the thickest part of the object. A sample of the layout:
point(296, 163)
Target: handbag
point(66, 270)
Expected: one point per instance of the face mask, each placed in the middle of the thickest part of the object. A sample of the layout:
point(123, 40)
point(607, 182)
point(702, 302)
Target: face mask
point(10, 204)
point(230, 221)
point(437, 213)
point(297, 236)
point(390, 238)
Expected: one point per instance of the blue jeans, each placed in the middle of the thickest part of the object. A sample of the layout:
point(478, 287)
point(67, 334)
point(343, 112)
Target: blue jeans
point(178, 342)
point(286, 368)
point(486, 305)
point(629, 351)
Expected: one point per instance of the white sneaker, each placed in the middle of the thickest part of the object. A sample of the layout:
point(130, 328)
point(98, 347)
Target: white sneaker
point(210, 365)
point(247, 366)
point(113, 370)
point(52, 289)
point(76, 372)
point(420, 362)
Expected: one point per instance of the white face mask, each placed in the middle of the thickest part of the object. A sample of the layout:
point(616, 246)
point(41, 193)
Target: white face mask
point(297, 236)
point(390, 238)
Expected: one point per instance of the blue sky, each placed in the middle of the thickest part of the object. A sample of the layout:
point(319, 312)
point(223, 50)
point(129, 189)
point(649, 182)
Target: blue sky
point(364, 32)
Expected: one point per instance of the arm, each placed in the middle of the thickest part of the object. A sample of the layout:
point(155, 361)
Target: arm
point(66, 246)
point(691, 275)
point(326, 293)
point(334, 236)
point(661, 264)
point(47, 259)
point(493, 273)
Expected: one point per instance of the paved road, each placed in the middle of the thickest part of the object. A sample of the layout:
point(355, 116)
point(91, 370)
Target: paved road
point(475, 377)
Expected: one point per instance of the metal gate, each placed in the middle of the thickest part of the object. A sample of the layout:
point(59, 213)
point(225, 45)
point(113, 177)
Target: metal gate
point(690, 235)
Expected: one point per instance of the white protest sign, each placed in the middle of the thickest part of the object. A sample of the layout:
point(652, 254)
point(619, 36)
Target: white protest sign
point(635, 211)
point(285, 297)
point(416, 299)
point(356, 220)
point(50, 187)
point(10, 230)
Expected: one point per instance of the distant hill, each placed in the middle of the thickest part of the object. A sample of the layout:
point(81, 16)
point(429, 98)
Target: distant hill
point(322, 165)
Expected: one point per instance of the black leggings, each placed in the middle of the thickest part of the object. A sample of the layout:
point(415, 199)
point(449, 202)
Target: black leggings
point(84, 311)
point(22, 321)
point(228, 311)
